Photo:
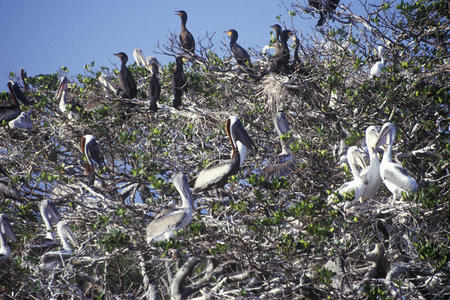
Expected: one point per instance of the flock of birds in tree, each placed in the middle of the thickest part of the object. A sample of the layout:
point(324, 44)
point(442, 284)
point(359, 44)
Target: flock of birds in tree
point(365, 184)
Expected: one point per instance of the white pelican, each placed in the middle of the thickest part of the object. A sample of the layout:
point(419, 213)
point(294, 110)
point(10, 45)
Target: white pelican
point(216, 174)
point(372, 173)
point(54, 259)
point(164, 227)
point(50, 215)
point(5, 232)
point(394, 176)
point(366, 179)
point(106, 83)
point(89, 148)
point(285, 163)
point(377, 68)
point(145, 62)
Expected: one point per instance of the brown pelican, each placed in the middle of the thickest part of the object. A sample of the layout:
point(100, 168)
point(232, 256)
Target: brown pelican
point(55, 259)
point(285, 163)
point(50, 215)
point(10, 112)
point(239, 53)
point(394, 176)
point(90, 149)
point(154, 88)
point(126, 80)
point(216, 174)
point(178, 82)
point(65, 105)
point(5, 232)
point(377, 68)
point(18, 93)
point(186, 38)
point(164, 227)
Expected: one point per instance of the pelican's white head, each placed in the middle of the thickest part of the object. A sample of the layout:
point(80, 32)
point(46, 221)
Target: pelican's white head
point(387, 135)
point(372, 137)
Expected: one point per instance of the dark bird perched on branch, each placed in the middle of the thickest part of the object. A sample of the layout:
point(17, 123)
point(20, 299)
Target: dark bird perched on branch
point(178, 82)
point(278, 30)
point(154, 88)
point(126, 80)
point(241, 56)
point(325, 7)
point(216, 174)
point(280, 62)
point(23, 75)
point(186, 38)
point(11, 111)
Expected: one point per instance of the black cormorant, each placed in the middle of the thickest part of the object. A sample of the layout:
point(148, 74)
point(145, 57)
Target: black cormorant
point(178, 82)
point(154, 88)
point(239, 53)
point(186, 38)
point(325, 7)
point(126, 80)
point(280, 62)
point(277, 29)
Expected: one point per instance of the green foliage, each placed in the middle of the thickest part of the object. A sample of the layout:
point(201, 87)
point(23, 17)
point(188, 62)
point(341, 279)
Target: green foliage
point(114, 239)
point(436, 254)
point(375, 292)
point(324, 275)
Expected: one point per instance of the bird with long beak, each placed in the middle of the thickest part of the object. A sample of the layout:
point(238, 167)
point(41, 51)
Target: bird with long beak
point(164, 227)
point(377, 68)
point(91, 151)
point(11, 111)
point(54, 259)
point(394, 176)
point(366, 178)
point(186, 39)
point(5, 232)
point(285, 162)
point(127, 84)
point(66, 105)
point(50, 215)
point(216, 174)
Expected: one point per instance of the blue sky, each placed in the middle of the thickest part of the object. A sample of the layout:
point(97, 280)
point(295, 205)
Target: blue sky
point(41, 36)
